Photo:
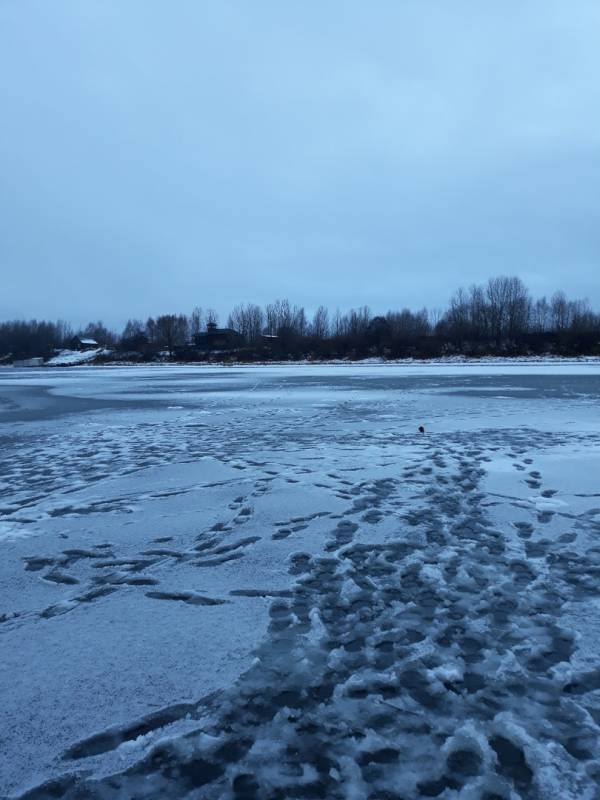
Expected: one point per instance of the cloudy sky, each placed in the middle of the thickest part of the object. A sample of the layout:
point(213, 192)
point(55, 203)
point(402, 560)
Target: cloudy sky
point(161, 154)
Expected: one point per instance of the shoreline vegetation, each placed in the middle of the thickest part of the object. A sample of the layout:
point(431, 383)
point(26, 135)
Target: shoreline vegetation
point(497, 319)
point(68, 359)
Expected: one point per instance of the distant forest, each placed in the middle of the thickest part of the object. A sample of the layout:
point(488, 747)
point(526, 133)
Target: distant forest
point(497, 318)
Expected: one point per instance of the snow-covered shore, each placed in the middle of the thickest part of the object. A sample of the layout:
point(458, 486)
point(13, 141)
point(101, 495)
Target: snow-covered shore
point(73, 358)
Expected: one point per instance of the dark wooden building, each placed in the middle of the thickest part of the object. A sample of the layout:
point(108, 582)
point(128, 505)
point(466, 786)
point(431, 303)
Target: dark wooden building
point(215, 338)
point(83, 343)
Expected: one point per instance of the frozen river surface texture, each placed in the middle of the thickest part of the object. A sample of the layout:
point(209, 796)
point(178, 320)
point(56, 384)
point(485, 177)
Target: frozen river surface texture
point(259, 583)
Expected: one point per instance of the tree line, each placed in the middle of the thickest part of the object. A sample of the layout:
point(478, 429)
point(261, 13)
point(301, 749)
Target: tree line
point(498, 317)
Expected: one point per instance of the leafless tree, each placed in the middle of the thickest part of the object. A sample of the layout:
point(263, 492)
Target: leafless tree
point(172, 331)
point(560, 311)
point(518, 307)
point(99, 332)
point(320, 323)
point(248, 320)
point(196, 321)
point(541, 317)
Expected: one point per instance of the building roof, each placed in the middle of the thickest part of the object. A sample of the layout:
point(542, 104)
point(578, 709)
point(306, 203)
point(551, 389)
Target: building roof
point(86, 341)
point(219, 332)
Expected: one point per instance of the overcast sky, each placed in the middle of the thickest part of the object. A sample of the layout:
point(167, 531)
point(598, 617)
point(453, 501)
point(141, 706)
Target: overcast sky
point(161, 154)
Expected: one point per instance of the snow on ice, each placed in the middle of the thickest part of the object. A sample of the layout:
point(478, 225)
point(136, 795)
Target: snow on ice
point(264, 582)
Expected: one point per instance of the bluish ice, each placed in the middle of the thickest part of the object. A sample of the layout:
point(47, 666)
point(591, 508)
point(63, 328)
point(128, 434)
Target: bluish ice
point(265, 582)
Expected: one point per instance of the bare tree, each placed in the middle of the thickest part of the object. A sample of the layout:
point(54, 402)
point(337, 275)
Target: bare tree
point(435, 317)
point(541, 318)
point(151, 331)
point(320, 323)
point(479, 322)
point(255, 322)
point(560, 311)
point(248, 320)
point(99, 332)
point(583, 318)
point(24, 338)
point(134, 336)
point(358, 320)
point(508, 307)
point(281, 317)
point(339, 324)
point(518, 307)
point(172, 331)
point(497, 301)
point(133, 328)
point(457, 318)
point(300, 321)
point(405, 324)
point(271, 319)
point(196, 321)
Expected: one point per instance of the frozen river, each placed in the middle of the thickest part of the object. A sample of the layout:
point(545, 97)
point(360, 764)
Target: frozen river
point(264, 582)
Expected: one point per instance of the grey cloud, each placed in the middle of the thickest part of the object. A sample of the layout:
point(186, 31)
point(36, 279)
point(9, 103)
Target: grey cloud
point(159, 155)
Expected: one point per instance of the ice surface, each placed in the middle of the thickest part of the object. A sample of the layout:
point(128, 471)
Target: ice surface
point(266, 583)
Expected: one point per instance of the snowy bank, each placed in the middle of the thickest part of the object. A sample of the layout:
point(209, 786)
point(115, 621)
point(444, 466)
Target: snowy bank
point(74, 358)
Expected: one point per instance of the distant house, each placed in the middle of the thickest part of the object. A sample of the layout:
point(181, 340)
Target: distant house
point(218, 338)
point(81, 343)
